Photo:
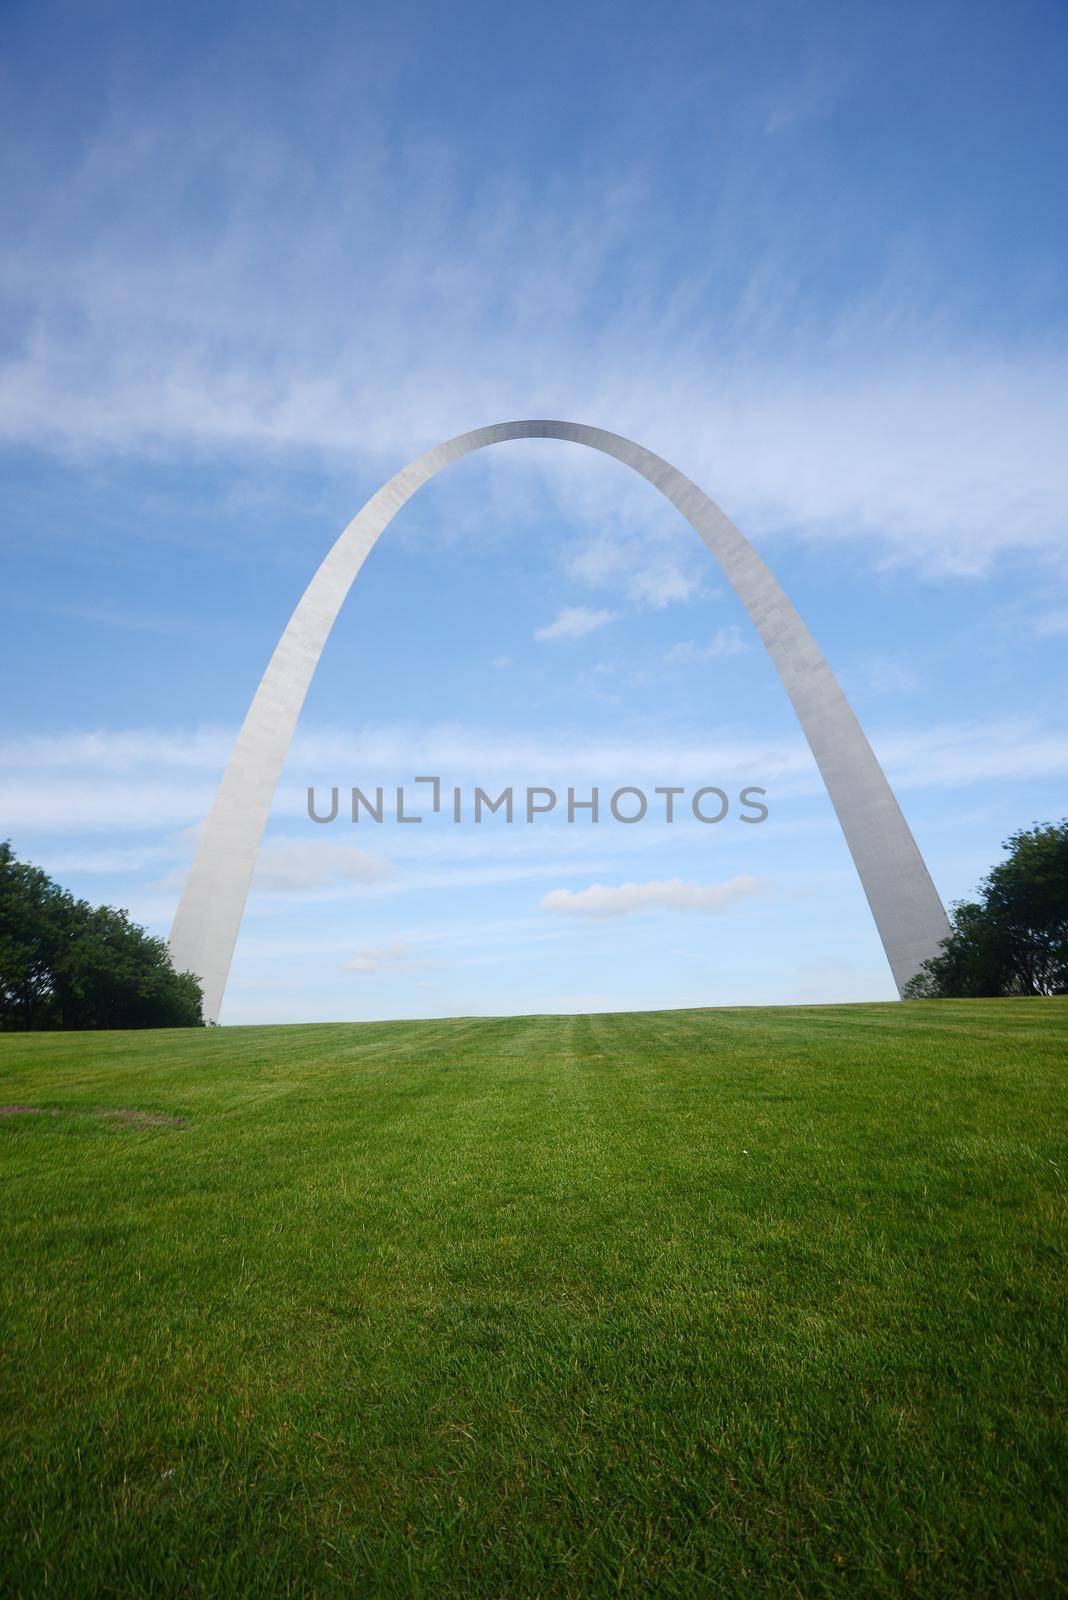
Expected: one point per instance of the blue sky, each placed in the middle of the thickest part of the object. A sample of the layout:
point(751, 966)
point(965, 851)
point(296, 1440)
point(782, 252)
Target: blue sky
point(256, 258)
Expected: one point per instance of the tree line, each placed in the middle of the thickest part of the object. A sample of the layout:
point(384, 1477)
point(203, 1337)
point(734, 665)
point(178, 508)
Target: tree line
point(67, 964)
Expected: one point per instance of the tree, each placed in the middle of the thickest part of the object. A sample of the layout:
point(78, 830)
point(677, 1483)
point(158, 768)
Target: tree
point(67, 964)
point(1014, 939)
point(27, 919)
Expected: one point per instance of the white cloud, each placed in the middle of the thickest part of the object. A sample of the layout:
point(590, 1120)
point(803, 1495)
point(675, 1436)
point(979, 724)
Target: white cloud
point(336, 320)
point(663, 584)
point(66, 783)
point(726, 641)
point(297, 866)
point(672, 894)
point(884, 675)
point(373, 958)
point(119, 750)
point(119, 861)
point(651, 567)
point(574, 622)
point(954, 755)
point(1052, 624)
point(53, 802)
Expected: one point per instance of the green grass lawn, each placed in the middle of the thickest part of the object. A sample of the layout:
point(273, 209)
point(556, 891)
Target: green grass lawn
point(753, 1302)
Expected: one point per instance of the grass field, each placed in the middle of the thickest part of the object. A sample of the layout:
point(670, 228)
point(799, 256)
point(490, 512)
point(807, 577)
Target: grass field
point(762, 1302)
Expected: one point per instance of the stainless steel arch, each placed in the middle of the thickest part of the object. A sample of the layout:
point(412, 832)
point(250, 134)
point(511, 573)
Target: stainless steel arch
point(904, 902)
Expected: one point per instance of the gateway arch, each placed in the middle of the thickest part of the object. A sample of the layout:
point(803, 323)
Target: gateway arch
point(904, 902)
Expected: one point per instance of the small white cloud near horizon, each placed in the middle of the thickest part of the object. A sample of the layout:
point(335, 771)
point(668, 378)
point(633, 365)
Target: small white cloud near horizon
point(373, 958)
point(671, 894)
point(726, 641)
point(574, 622)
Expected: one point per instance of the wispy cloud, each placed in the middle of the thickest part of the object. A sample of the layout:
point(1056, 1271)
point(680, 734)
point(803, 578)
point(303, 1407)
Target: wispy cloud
point(885, 675)
point(336, 320)
point(294, 866)
point(726, 641)
point(649, 565)
point(1052, 624)
point(374, 958)
point(155, 780)
point(672, 894)
point(574, 622)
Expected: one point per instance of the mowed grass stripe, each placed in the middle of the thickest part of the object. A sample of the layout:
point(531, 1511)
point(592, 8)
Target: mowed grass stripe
point(693, 1303)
